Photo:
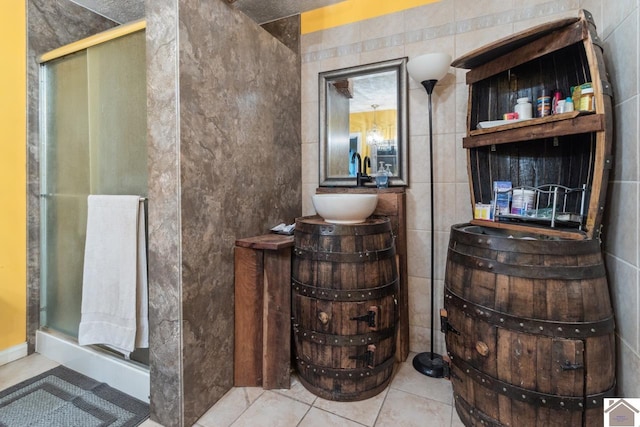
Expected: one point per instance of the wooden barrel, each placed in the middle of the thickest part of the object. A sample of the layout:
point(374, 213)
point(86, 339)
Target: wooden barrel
point(344, 282)
point(529, 328)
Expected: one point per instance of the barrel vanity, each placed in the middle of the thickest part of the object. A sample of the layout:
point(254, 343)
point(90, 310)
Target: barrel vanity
point(528, 319)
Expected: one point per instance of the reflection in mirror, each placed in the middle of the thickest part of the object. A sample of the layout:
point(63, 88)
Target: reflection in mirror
point(363, 110)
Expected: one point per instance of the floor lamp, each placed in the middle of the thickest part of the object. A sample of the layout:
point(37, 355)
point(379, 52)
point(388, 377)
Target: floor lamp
point(428, 69)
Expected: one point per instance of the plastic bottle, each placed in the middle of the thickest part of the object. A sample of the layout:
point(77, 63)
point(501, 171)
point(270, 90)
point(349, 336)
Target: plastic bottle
point(568, 105)
point(382, 179)
point(524, 108)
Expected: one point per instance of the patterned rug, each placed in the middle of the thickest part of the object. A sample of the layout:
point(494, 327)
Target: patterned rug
point(62, 397)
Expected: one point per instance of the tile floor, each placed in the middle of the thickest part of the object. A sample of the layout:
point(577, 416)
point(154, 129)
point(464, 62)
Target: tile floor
point(411, 399)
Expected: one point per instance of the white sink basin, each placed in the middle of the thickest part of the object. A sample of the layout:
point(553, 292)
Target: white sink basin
point(345, 208)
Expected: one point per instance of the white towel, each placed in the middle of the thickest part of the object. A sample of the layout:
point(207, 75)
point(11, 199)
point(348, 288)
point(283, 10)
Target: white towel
point(114, 285)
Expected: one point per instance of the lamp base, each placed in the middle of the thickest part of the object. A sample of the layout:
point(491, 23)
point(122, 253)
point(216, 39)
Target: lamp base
point(429, 364)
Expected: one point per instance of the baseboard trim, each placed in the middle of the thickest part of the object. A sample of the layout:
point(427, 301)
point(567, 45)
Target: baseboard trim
point(13, 353)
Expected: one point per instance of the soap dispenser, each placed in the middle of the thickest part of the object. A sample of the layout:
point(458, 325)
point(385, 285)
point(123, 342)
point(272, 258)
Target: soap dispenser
point(382, 177)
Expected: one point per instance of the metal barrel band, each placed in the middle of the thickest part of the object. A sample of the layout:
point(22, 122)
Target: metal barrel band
point(541, 246)
point(355, 295)
point(342, 340)
point(364, 229)
point(485, 419)
point(527, 271)
point(532, 397)
point(573, 330)
point(346, 257)
point(344, 374)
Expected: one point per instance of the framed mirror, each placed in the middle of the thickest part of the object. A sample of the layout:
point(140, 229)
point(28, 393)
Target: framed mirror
point(363, 110)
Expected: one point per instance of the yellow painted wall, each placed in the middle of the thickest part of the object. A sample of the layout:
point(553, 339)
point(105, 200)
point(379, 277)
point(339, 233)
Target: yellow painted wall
point(349, 11)
point(13, 210)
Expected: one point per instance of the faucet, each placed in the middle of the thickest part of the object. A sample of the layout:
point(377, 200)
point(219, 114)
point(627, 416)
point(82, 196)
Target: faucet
point(361, 177)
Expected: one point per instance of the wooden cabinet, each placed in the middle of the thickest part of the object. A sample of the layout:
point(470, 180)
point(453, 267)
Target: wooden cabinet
point(565, 151)
point(392, 204)
point(262, 351)
point(513, 285)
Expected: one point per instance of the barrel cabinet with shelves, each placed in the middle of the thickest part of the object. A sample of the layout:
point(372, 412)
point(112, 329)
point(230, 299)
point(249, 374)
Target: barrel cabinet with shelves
point(528, 317)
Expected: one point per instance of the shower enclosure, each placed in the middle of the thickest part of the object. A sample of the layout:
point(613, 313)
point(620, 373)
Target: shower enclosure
point(93, 128)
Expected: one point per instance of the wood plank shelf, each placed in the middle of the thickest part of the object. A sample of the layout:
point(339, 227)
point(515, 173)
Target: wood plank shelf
point(572, 123)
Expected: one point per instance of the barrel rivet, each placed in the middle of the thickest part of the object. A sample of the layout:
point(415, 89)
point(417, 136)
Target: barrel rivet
point(561, 403)
point(559, 328)
point(544, 400)
point(502, 320)
point(464, 306)
point(467, 371)
point(350, 340)
point(580, 404)
point(350, 375)
point(542, 328)
point(524, 397)
point(349, 295)
point(593, 330)
point(504, 389)
point(577, 331)
point(522, 325)
point(483, 380)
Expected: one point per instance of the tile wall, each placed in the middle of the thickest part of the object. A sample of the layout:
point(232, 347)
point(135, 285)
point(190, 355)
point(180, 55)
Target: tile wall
point(456, 27)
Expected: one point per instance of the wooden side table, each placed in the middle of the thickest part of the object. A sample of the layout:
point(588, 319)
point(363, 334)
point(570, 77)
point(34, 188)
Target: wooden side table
point(262, 349)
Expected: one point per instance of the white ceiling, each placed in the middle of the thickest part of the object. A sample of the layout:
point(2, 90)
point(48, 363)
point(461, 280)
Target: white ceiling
point(261, 11)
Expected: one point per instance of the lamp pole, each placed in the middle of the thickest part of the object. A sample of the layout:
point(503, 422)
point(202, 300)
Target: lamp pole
point(428, 69)
point(430, 363)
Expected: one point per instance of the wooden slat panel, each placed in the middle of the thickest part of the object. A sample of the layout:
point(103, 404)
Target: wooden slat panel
point(536, 49)
point(276, 319)
point(247, 357)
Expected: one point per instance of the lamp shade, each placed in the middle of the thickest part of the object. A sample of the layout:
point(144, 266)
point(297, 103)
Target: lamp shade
point(430, 66)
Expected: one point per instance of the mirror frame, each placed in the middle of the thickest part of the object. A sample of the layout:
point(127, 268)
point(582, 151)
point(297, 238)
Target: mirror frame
point(399, 65)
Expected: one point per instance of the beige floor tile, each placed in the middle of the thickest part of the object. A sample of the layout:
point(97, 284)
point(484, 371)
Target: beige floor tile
point(411, 381)
point(149, 423)
point(298, 392)
point(363, 411)
point(273, 410)
point(23, 369)
point(455, 418)
point(319, 418)
point(408, 410)
point(230, 407)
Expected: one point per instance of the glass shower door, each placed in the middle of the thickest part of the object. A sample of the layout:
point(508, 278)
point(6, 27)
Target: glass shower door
point(93, 142)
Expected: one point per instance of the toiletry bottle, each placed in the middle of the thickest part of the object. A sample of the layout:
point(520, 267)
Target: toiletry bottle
point(382, 179)
point(544, 103)
point(524, 108)
point(568, 104)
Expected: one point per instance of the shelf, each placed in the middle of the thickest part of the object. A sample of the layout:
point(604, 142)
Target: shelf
point(571, 123)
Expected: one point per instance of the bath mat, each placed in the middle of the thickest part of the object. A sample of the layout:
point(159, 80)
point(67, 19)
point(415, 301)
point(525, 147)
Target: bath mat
point(62, 397)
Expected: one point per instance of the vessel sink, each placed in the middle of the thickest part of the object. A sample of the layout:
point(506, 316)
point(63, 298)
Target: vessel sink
point(347, 208)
